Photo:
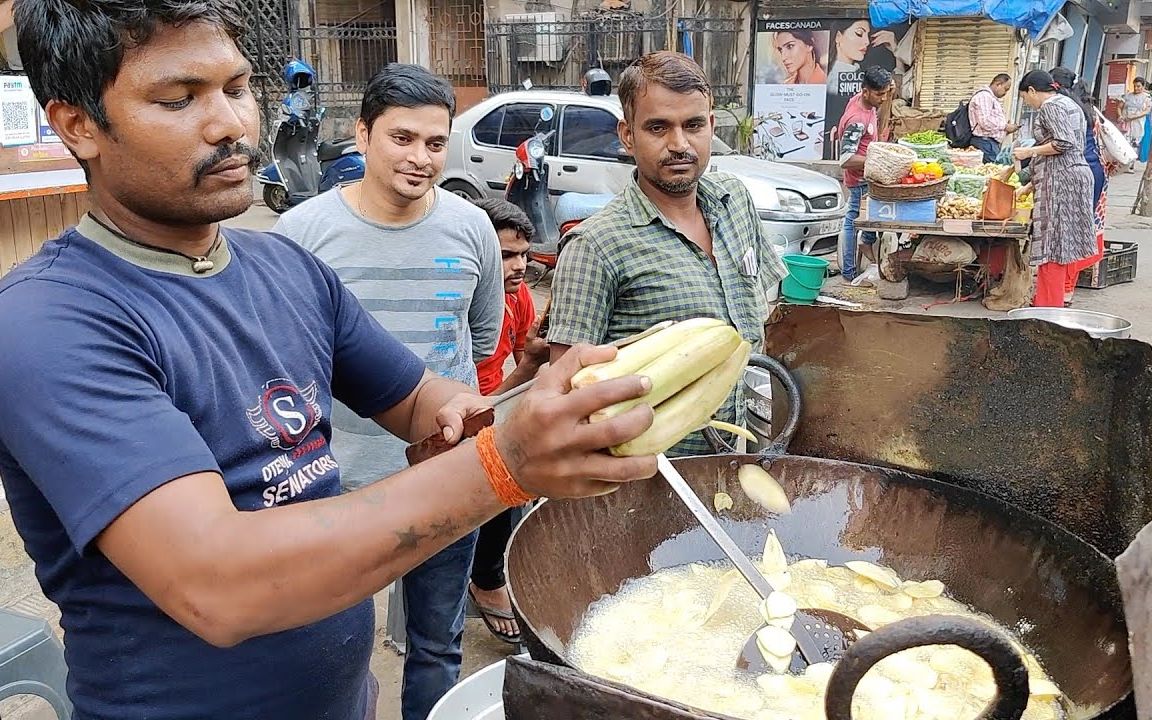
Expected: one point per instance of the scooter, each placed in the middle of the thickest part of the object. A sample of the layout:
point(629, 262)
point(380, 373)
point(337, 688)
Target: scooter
point(302, 167)
point(527, 188)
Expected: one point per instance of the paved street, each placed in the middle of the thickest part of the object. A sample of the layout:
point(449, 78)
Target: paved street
point(1133, 301)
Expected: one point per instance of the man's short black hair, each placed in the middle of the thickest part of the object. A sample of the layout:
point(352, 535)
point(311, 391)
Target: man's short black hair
point(877, 78)
point(72, 50)
point(1001, 78)
point(1140, 80)
point(407, 86)
point(506, 216)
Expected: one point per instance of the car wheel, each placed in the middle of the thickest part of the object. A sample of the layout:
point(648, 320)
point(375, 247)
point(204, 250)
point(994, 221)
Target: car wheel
point(276, 198)
point(463, 189)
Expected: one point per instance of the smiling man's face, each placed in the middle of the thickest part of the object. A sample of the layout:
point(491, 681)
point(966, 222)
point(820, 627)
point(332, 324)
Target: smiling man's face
point(406, 149)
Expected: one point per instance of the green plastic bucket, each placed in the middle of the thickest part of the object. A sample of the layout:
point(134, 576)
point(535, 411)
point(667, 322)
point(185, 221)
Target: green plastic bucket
point(804, 279)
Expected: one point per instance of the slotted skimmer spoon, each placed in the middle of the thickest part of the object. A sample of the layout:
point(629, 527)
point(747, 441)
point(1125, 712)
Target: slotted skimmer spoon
point(821, 635)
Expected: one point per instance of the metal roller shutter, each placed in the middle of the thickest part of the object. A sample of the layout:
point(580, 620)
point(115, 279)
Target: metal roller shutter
point(958, 55)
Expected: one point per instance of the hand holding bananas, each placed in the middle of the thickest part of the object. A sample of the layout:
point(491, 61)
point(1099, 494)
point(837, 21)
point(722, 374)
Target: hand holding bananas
point(693, 366)
point(638, 401)
point(549, 447)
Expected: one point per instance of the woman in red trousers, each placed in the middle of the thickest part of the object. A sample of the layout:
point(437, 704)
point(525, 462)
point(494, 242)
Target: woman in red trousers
point(1064, 225)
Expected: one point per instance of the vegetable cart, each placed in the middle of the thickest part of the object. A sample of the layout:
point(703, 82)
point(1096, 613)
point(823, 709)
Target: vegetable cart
point(945, 212)
point(1000, 248)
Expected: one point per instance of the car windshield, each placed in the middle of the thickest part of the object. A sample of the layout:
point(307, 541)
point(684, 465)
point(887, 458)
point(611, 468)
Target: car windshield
point(720, 148)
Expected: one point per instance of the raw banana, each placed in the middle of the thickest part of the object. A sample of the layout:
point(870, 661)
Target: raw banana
point(679, 367)
point(631, 358)
point(688, 409)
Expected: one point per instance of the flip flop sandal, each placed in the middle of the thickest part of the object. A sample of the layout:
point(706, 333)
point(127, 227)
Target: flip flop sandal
point(487, 613)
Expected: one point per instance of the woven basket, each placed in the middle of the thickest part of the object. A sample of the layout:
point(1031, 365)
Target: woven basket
point(924, 191)
point(888, 162)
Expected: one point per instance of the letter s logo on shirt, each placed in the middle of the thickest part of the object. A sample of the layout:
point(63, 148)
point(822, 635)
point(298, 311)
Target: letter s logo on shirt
point(285, 415)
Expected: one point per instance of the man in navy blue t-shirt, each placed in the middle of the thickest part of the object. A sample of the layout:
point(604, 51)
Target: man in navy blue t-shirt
point(167, 389)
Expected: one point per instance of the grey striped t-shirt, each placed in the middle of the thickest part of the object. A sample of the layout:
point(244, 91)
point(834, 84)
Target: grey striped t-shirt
point(437, 285)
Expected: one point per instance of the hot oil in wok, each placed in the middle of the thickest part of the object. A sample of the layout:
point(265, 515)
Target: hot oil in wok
point(676, 634)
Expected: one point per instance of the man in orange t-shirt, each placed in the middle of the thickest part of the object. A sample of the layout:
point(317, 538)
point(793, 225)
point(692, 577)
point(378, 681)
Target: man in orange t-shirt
point(518, 333)
point(518, 338)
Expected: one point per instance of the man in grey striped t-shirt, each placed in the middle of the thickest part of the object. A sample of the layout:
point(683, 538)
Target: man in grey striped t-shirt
point(426, 264)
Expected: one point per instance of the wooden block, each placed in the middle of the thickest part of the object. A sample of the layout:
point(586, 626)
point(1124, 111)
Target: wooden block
point(20, 225)
point(892, 290)
point(8, 256)
point(37, 227)
point(69, 210)
point(53, 216)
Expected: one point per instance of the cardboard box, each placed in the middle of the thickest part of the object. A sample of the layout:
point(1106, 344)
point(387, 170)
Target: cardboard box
point(913, 211)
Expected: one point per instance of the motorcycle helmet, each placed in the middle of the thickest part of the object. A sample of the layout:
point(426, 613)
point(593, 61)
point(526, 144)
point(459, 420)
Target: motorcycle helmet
point(298, 75)
point(597, 82)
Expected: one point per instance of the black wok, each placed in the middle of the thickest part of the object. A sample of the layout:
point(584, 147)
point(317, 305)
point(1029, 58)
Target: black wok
point(1055, 591)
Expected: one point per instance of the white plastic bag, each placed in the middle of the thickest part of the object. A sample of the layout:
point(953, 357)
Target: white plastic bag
point(868, 278)
point(1116, 148)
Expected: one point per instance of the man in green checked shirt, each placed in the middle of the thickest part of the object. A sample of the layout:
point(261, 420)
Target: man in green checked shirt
point(675, 244)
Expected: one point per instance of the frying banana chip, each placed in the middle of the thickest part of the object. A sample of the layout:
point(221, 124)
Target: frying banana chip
point(922, 590)
point(775, 561)
point(876, 573)
point(722, 501)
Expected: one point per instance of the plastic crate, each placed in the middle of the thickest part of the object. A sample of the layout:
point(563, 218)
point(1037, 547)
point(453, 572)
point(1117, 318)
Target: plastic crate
point(1117, 266)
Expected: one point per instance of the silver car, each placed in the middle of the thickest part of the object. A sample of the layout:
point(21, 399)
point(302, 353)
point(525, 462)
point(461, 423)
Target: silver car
point(801, 210)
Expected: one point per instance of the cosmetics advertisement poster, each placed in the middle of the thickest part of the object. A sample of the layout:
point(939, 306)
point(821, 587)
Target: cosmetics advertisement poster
point(806, 72)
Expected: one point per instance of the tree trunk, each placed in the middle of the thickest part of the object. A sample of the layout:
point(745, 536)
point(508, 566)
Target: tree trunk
point(1143, 204)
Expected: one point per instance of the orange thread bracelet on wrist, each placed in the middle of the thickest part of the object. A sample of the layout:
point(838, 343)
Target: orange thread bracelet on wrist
point(505, 487)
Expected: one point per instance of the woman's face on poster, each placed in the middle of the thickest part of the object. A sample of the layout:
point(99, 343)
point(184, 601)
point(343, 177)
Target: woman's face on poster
point(852, 43)
point(794, 54)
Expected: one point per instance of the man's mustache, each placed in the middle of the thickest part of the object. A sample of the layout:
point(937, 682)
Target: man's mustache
point(413, 170)
point(224, 152)
point(681, 159)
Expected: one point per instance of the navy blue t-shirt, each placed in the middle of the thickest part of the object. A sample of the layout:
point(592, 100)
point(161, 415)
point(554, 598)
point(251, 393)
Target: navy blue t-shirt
point(121, 373)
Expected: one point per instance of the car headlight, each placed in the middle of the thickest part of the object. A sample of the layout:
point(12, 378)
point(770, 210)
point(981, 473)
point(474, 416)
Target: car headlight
point(535, 149)
point(791, 201)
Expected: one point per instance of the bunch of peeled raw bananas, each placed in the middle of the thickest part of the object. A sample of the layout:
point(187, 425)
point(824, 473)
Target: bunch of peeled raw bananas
point(693, 365)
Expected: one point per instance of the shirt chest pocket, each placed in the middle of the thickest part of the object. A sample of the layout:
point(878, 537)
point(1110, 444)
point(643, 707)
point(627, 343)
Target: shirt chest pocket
point(747, 296)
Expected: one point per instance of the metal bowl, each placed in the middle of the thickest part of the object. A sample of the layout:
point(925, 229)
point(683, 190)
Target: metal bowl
point(1096, 324)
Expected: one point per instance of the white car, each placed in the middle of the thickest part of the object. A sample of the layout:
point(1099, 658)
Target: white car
point(801, 210)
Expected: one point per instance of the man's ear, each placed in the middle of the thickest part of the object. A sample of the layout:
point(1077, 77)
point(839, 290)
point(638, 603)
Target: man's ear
point(75, 128)
point(624, 131)
point(362, 136)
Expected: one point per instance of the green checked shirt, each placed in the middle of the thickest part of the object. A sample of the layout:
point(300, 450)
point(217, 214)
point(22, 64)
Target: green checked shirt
point(627, 268)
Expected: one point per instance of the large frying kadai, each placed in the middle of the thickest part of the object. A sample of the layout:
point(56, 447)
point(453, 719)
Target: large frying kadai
point(1057, 592)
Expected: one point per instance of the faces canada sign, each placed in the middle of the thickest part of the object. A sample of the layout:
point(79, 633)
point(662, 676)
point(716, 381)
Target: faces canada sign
point(806, 72)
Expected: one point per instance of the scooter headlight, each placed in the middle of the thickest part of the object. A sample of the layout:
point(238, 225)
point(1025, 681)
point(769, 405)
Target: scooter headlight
point(535, 149)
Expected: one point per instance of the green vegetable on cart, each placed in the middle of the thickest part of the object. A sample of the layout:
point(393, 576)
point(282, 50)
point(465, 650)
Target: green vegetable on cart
point(926, 137)
point(968, 185)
